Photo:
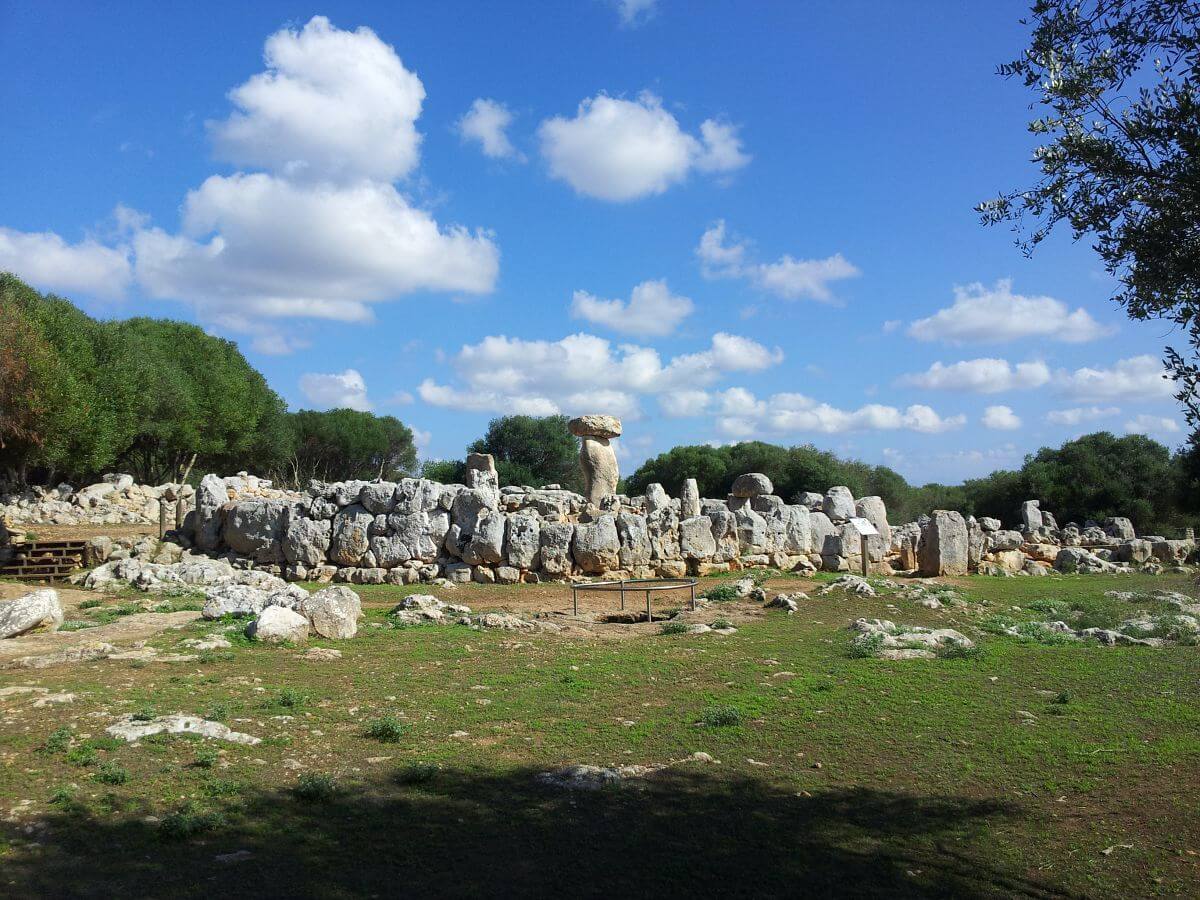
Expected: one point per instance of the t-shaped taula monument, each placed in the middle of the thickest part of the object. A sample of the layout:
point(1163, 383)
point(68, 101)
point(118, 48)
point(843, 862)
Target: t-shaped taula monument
point(596, 456)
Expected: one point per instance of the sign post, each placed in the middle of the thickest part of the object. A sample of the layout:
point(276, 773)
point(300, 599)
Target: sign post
point(865, 529)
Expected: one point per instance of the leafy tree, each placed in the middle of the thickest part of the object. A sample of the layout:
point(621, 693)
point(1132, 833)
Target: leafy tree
point(345, 444)
point(708, 465)
point(1101, 475)
point(197, 394)
point(1120, 84)
point(532, 450)
point(446, 471)
point(78, 411)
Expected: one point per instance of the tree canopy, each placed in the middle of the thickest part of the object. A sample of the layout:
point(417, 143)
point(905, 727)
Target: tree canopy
point(532, 450)
point(347, 444)
point(1119, 85)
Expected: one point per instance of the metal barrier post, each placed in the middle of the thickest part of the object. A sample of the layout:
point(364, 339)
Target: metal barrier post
point(622, 595)
point(649, 614)
point(692, 589)
point(575, 599)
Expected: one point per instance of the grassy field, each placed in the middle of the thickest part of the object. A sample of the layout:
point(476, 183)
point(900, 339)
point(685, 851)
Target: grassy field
point(407, 767)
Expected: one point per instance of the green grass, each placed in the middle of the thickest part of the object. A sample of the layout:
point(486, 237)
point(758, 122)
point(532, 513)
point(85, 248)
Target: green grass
point(1003, 772)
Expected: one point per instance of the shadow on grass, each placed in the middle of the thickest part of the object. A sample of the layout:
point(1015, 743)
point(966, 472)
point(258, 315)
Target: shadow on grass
point(454, 833)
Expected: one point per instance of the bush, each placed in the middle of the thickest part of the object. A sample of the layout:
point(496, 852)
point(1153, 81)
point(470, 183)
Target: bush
point(188, 821)
point(866, 645)
point(722, 593)
point(958, 651)
point(417, 773)
point(111, 773)
point(315, 787)
point(722, 623)
point(58, 740)
point(673, 628)
point(721, 717)
point(82, 755)
point(206, 757)
point(290, 698)
point(387, 730)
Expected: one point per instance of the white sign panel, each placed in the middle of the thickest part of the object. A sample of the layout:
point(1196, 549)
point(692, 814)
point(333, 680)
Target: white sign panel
point(863, 527)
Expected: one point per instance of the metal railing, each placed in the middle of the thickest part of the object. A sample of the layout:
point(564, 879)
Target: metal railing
point(636, 586)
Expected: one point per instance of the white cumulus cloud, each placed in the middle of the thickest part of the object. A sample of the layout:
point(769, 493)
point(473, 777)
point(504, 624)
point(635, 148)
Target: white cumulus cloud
point(537, 377)
point(335, 390)
point(1147, 424)
point(1080, 414)
point(982, 376)
point(651, 310)
point(1136, 378)
point(331, 104)
point(619, 150)
point(995, 315)
point(1000, 418)
point(48, 262)
point(741, 415)
point(634, 12)
point(277, 343)
point(486, 123)
point(256, 245)
point(786, 277)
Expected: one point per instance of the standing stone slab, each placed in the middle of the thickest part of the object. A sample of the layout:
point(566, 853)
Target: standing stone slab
point(1031, 515)
point(874, 511)
point(555, 538)
point(351, 535)
point(696, 540)
point(597, 547)
point(689, 499)
point(839, 504)
point(943, 548)
point(596, 455)
point(522, 542)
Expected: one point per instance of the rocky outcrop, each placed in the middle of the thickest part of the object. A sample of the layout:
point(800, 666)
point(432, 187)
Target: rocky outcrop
point(33, 611)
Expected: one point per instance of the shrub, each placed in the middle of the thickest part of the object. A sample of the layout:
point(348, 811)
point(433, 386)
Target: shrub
point(90, 603)
point(111, 773)
point(722, 593)
point(387, 730)
point(188, 821)
point(1037, 631)
point(673, 628)
point(866, 645)
point(417, 773)
point(220, 787)
point(315, 787)
point(721, 717)
point(144, 713)
point(290, 698)
point(205, 758)
point(82, 755)
point(722, 623)
point(58, 740)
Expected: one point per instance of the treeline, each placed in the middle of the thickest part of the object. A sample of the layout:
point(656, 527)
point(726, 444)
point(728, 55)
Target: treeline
point(155, 398)
point(1095, 476)
point(529, 450)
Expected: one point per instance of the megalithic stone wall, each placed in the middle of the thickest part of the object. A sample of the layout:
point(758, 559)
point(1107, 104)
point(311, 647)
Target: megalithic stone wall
point(418, 530)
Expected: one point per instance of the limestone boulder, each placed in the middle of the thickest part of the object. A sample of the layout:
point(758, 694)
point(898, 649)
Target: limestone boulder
point(486, 546)
point(211, 496)
point(595, 426)
point(278, 625)
point(378, 497)
point(696, 540)
point(350, 538)
point(656, 498)
point(555, 548)
point(522, 542)
point(596, 546)
point(752, 484)
point(689, 499)
point(333, 612)
point(874, 511)
point(1031, 515)
point(943, 548)
point(1120, 528)
point(635, 540)
point(304, 541)
point(36, 610)
point(839, 504)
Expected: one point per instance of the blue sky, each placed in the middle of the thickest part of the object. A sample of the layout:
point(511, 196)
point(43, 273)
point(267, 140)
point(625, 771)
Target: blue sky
point(721, 221)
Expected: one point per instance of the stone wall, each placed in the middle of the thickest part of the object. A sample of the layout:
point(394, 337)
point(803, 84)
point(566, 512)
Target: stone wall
point(418, 530)
point(115, 500)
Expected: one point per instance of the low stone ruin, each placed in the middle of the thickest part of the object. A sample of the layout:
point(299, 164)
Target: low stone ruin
point(115, 500)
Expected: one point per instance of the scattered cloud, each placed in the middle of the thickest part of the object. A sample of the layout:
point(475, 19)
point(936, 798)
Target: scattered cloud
point(1146, 424)
point(259, 246)
point(322, 233)
point(789, 278)
point(1080, 414)
point(421, 440)
point(789, 413)
point(276, 343)
point(620, 150)
point(981, 376)
point(486, 122)
point(651, 310)
point(1136, 378)
point(48, 262)
point(996, 315)
point(502, 374)
point(1000, 418)
point(400, 398)
point(336, 390)
point(636, 12)
point(331, 104)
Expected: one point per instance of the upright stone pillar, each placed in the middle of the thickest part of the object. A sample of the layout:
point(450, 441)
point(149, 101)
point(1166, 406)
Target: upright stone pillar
point(596, 456)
